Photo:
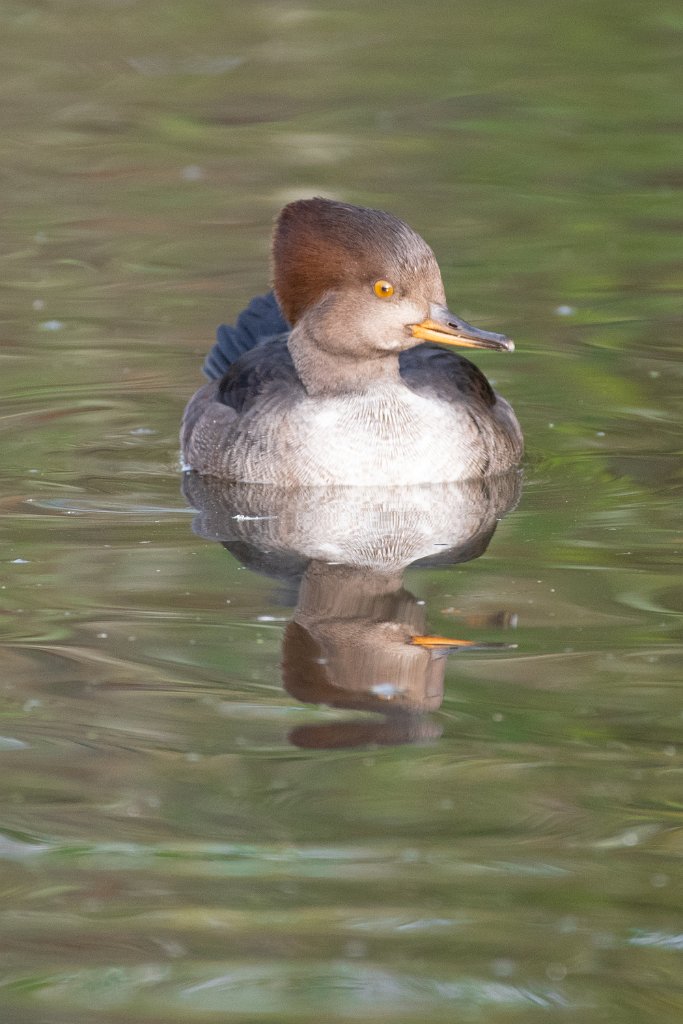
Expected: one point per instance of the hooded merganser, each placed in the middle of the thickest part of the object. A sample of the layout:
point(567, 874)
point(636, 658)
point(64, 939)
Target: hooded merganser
point(354, 393)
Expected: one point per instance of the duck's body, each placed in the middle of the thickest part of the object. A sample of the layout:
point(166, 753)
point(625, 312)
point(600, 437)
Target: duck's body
point(438, 421)
point(348, 397)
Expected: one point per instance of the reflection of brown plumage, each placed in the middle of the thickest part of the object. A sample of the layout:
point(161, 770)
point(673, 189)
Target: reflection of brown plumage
point(358, 639)
point(350, 644)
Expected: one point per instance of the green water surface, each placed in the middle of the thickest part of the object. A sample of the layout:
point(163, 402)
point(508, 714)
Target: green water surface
point(168, 854)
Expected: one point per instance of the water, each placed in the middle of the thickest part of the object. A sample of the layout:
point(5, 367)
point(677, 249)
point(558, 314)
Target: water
point(182, 838)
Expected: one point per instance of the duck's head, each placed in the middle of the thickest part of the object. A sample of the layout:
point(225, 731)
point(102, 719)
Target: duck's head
point(363, 283)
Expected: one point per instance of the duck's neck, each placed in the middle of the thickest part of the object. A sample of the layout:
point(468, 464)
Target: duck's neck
point(330, 591)
point(326, 373)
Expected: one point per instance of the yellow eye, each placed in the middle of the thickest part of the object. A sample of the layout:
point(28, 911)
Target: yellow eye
point(383, 289)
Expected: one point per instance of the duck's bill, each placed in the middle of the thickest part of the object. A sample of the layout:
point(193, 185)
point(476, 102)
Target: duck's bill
point(445, 643)
point(446, 328)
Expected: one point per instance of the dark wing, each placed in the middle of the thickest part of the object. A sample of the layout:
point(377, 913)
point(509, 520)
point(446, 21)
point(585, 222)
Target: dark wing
point(267, 367)
point(262, 319)
point(434, 371)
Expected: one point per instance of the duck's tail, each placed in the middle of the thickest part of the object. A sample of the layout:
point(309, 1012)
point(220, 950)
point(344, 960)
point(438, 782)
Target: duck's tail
point(261, 319)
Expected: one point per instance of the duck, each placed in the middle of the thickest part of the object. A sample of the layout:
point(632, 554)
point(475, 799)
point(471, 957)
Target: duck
point(345, 375)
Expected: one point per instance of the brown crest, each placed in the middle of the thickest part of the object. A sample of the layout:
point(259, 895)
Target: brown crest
point(320, 245)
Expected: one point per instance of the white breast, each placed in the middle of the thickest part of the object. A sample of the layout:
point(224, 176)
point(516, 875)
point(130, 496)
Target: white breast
point(389, 435)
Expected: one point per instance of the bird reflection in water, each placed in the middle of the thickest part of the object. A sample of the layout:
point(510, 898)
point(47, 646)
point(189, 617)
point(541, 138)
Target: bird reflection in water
point(358, 640)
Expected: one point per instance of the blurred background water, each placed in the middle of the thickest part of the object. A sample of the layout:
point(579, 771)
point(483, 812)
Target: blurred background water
point(168, 852)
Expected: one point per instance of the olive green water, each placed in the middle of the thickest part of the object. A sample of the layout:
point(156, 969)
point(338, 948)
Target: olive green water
point(169, 854)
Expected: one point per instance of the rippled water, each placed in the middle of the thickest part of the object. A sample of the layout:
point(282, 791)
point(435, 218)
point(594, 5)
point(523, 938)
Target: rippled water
point(185, 835)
